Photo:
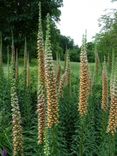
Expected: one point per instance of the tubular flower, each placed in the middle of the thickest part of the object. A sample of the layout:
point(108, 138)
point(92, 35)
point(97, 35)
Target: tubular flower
point(84, 82)
point(52, 100)
point(41, 102)
point(104, 88)
point(41, 114)
point(112, 125)
point(40, 50)
point(16, 116)
point(16, 122)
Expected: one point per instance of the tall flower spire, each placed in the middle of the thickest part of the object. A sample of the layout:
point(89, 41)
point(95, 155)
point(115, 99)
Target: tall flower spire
point(16, 116)
point(41, 102)
point(84, 80)
point(52, 100)
point(112, 124)
point(40, 49)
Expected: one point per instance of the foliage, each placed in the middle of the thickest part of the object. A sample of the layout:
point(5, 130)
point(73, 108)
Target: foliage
point(106, 40)
point(22, 18)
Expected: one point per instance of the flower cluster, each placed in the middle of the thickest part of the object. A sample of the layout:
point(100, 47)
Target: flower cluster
point(41, 102)
point(84, 82)
point(16, 116)
point(112, 124)
point(52, 99)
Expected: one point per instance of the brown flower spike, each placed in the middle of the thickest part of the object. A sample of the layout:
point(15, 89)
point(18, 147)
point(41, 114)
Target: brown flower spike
point(112, 125)
point(41, 113)
point(41, 102)
point(16, 116)
point(84, 82)
point(51, 88)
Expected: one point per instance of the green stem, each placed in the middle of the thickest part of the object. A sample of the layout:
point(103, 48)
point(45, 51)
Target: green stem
point(111, 145)
point(81, 140)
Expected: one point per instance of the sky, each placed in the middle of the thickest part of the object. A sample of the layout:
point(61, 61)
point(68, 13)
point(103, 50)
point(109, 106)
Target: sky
point(80, 15)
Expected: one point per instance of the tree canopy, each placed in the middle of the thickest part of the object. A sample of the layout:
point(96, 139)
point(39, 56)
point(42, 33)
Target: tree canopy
point(106, 40)
point(22, 17)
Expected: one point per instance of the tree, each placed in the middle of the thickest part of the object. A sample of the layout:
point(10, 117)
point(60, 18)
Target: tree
point(90, 51)
point(66, 43)
point(106, 40)
point(22, 17)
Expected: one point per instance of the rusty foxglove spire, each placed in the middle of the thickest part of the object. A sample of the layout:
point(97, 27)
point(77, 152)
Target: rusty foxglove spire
point(16, 116)
point(112, 124)
point(52, 100)
point(41, 96)
point(84, 81)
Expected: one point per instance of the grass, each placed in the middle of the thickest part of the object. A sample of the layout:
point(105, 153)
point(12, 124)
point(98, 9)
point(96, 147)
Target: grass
point(75, 66)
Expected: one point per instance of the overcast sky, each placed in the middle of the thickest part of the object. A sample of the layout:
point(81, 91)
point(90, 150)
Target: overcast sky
point(78, 15)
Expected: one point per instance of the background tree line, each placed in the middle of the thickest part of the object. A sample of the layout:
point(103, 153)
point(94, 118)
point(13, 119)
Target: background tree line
point(22, 17)
point(106, 39)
